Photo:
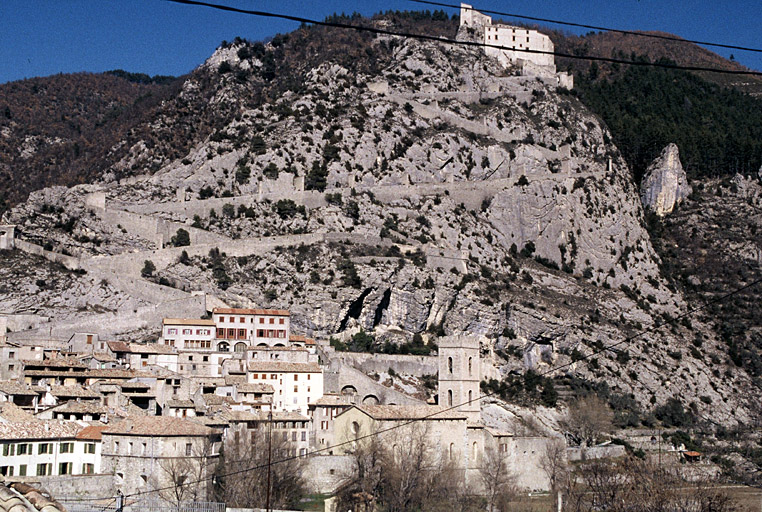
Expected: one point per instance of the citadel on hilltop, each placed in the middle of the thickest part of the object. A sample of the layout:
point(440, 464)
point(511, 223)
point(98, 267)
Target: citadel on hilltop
point(530, 50)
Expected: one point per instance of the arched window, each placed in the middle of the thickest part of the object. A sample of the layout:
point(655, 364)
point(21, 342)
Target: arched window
point(452, 451)
point(240, 347)
point(449, 364)
point(474, 451)
point(470, 396)
point(355, 428)
point(469, 365)
point(449, 397)
point(223, 347)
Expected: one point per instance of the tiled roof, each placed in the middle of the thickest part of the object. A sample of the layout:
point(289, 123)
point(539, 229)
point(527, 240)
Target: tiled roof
point(115, 373)
point(333, 399)
point(408, 412)
point(212, 399)
point(92, 433)
point(234, 379)
point(102, 356)
point(60, 362)
point(180, 404)
point(279, 366)
point(12, 413)
point(238, 416)
point(10, 387)
point(140, 348)
point(20, 497)
point(73, 391)
point(163, 426)
point(50, 429)
point(257, 387)
point(301, 339)
point(75, 407)
point(243, 311)
point(187, 321)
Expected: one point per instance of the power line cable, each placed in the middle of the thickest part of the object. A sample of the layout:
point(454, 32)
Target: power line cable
point(444, 40)
point(593, 27)
point(653, 328)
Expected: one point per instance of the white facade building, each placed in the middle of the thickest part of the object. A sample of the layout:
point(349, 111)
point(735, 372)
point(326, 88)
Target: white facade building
point(529, 49)
point(188, 334)
point(239, 329)
point(295, 385)
point(49, 448)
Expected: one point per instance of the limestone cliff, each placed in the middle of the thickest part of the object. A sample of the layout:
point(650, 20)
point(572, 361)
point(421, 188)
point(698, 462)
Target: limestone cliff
point(433, 193)
point(665, 184)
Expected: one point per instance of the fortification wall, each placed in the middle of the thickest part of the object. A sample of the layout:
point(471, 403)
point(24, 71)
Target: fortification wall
point(70, 262)
point(378, 363)
point(15, 322)
point(610, 451)
point(74, 487)
point(108, 324)
point(326, 472)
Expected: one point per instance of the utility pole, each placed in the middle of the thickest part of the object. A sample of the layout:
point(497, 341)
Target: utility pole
point(269, 454)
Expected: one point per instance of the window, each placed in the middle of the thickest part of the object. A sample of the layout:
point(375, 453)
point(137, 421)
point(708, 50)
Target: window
point(24, 449)
point(272, 320)
point(67, 448)
point(231, 333)
point(44, 469)
point(304, 435)
point(449, 397)
point(8, 449)
point(449, 364)
point(261, 320)
point(90, 448)
point(172, 331)
point(220, 333)
point(11, 355)
point(470, 362)
point(282, 321)
point(143, 449)
point(64, 468)
point(187, 331)
point(242, 320)
point(116, 443)
point(6, 470)
point(296, 389)
point(22, 469)
point(470, 396)
point(188, 449)
point(44, 448)
point(88, 469)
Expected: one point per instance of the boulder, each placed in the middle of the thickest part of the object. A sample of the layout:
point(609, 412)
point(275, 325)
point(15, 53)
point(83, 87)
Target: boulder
point(665, 183)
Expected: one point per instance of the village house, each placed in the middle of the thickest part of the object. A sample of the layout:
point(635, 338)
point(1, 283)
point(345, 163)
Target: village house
point(142, 355)
point(295, 385)
point(290, 430)
point(47, 448)
point(151, 452)
point(322, 413)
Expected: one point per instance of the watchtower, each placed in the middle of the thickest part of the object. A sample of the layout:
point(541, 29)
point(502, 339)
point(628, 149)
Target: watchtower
point(7, 234)
point(459, 374)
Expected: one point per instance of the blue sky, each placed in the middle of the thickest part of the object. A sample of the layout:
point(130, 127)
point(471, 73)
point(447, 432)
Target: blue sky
point(45, 37)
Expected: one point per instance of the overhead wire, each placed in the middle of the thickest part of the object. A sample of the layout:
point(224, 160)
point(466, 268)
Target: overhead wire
point(592, 27)
point(444, 40)
point(584, 358)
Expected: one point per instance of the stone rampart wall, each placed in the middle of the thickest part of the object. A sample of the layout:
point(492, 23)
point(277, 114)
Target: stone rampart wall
point(378, 363)
point(70, 262)
point(108, 324)
point(577, 453)
point(72, 487)
point(324, 473)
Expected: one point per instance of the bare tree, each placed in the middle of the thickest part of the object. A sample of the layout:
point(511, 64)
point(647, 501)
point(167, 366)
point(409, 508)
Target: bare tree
point(186, 477)
point(588, 419)
point(553, 462)
point(633, 485)
point(498, 481)
point(240, 486)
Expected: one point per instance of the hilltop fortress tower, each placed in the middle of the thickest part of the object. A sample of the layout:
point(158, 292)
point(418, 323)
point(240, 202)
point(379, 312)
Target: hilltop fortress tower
point(531, 50)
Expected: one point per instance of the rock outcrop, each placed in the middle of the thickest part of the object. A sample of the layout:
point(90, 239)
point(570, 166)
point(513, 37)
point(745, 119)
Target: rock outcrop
point(665, 184)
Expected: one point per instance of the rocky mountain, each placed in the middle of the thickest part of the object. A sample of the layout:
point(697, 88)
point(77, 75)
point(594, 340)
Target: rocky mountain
point(410, 188)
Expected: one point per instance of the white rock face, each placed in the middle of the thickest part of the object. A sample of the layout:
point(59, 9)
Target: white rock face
point(665, 183)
